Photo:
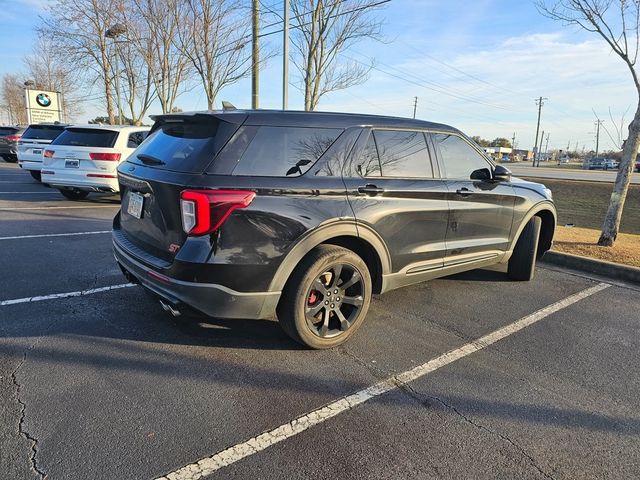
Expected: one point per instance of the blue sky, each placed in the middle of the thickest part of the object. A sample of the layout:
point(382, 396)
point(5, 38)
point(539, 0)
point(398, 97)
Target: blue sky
point(475, 65)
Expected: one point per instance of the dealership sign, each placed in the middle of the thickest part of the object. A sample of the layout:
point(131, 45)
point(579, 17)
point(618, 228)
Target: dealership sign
point(43, 106)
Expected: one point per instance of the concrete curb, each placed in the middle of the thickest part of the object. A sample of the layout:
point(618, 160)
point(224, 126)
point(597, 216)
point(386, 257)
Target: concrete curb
point(590, 265)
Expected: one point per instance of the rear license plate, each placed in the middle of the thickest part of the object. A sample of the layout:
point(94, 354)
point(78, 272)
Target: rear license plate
point(134, 204)
point(72, 163)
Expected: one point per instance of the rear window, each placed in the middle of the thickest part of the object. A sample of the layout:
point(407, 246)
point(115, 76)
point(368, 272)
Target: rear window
point(285, 151)
point(7, 131)
point(42, 132)
point(86, 137)
point(183, 146)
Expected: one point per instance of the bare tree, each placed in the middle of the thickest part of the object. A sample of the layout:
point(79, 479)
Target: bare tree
point(154, 33)
point(618, 140)
point(324, 29)
point(132, 73)
point(78, 27)
point(618, 23)
point(49, 71)
point(213, 37)
point(12, 96)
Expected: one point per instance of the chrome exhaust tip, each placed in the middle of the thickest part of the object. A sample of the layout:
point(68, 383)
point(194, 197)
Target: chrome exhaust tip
point(169, 308)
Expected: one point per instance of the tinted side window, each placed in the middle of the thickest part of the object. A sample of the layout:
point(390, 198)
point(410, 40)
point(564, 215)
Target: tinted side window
point(285, 151)
point(403, 154)
point(459, 158)
point(86, 137)
point(135, 139)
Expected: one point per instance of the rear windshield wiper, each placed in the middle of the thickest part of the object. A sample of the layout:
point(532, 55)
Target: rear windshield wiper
point(150, 160)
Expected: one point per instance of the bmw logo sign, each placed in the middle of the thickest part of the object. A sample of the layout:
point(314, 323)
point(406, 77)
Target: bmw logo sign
point(43, 100)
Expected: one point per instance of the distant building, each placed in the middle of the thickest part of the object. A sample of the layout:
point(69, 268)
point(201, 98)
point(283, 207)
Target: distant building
point(522, 155)
point(499, 153)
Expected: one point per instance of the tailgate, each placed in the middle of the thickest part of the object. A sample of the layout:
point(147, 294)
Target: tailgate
point(150, 216)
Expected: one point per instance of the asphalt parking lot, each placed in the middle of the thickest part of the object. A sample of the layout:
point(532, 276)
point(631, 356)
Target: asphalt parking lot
point(473, 376)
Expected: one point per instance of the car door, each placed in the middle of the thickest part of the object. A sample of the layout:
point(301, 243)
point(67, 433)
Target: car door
point(392, 189)
point(481, 210)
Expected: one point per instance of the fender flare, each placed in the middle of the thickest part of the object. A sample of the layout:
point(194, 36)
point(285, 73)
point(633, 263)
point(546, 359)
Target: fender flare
point(545, 205)
point(340, 228)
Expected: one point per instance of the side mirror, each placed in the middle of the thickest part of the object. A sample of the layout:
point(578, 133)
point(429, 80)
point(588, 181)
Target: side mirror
point(481, 174)
point(501, 174)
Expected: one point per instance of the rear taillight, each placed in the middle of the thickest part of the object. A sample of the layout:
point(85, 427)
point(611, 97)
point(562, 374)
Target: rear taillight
point(48, 153)
point(204, 211)
point(109, 157)
point(13, 138)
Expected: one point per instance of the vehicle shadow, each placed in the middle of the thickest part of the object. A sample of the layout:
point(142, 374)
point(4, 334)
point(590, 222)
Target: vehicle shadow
point(479, 276)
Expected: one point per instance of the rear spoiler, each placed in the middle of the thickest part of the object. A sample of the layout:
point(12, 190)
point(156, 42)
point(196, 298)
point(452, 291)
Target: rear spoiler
point(235, 117)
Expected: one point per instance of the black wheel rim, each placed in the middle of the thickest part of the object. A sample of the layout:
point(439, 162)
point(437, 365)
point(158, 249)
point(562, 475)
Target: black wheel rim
point(334, 300)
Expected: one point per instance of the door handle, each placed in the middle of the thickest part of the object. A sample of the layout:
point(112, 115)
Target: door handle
point(370, 189)
point(464, 191)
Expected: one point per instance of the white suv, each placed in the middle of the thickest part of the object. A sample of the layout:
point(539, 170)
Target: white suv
point(33, 142)
point(84, 158)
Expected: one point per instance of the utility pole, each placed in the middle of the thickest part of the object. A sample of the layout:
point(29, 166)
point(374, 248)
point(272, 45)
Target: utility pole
point(540, 149)
point(513, 142)
point(415, 106)
point(569, 146)
point(255, 57)
point(285, 57)
point(539, 103)
point(598, 123)
point(546, 148)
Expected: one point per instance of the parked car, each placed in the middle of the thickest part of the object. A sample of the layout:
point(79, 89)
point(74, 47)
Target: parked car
point(32, 143)
point(84, 158)
point(611, 164)
point(306, 215)
point(597, 163)
point(9, 137)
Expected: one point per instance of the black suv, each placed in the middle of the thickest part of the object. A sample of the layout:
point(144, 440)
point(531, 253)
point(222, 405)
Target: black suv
point(251, 214)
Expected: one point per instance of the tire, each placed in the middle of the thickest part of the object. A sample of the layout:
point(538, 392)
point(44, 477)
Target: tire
point(522, 264)
point(36, 175)
point(11, 158)
point(74, 193)
point(311, 312)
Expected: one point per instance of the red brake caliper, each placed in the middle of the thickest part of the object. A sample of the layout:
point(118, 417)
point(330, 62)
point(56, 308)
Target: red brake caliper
point(313, 297)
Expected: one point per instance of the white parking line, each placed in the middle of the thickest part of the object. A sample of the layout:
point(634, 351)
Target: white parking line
point(50, 193)
point(54, 296)
point(9, 209)
point(45, 235)
point(256, 444)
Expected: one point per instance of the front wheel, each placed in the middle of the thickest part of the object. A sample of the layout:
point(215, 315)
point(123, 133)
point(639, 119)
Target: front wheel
point(522, 263)
point(74, 193)
point(327, 297)
point(36, 175)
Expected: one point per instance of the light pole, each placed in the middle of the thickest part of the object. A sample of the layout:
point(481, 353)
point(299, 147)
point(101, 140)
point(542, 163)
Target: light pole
point(114, 32)
point(285, 57)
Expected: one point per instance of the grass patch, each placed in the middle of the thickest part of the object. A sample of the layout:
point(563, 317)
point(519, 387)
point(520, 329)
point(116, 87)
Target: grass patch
point(583, 241)
point(585, 203)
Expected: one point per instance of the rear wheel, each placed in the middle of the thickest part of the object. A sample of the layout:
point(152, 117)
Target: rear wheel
point(327, 297)
point(522, 263)
point(36, 175)
point(74, 193)
point(10, 158)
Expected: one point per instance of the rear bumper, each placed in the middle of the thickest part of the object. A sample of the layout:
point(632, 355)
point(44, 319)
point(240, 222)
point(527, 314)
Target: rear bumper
point(9, 149)
point(78, 179)
point(30, 165)
point(210, 298)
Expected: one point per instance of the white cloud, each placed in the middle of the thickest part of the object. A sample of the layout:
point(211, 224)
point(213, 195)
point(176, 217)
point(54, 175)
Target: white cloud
point(490, 91)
